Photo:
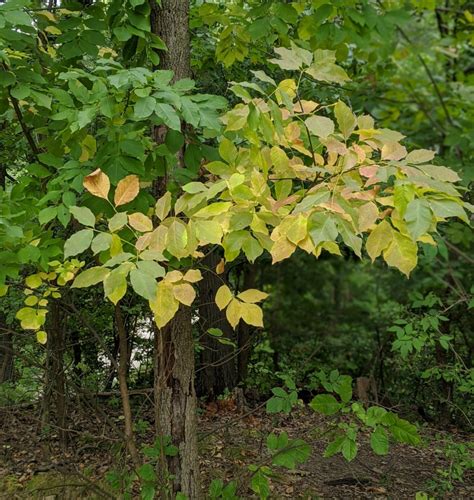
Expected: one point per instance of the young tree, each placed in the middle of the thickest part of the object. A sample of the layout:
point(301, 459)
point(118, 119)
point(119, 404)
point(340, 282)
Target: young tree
point(289, 173)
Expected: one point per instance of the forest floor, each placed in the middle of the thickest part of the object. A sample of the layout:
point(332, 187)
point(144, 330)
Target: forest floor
point(32, 465)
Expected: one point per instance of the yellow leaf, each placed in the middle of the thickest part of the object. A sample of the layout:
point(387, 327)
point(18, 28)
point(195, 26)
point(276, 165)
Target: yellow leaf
point(3, 290)
point(298, 229)
point(115, 245)
point(368, 215)
point(140, 222)
point(251, 314)
point(33, 281)
point(163, 206)
point(42, 337)
point(282, 249)
point(53, 30)
point(252, 296)
point(177, 239)
point(402, 253)
point(393, 151)
point(193, 276)
point(127, 190)
point(233, 312)
point(379, 239)
point(159, 238)
point(143, 241)
point(174, 276)
point(223, 297)
point(97, 184)
point(165, 305)
point(220, 267)
point(185, 293)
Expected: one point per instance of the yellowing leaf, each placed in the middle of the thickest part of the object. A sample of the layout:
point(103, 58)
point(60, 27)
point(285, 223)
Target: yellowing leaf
point(298, 229)
point(127, 190)
point(223, 297)
point(282, 249)
point(42, 337)
point(115, 285)
point(184, 293)
point(251, 314)
point(233, 312)
point(379, 239)
point(252, 296)
point(174, 276)
point(368, 215)
point(213, 209)
point(97, 184)
point(393, 151)
point(164, 305)
point(321, 126)
point(402, 253)
point(163, 206)
point(420, 156)
point(90, 277)
point(193, 276)
point(140, 222)
point(31, 319)
point(220, 267)
point(177, 239)
point(33, 281)
point(3, 290)
point(345, 118)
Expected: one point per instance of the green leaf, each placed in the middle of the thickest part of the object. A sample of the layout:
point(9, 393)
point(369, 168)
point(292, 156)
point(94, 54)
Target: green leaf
point(143, 283)
point(321, 126)
point(418, 217)
point(90, 277)
point(118, 221)
point(169, 116)
point(83, 215)
point(297, 452)
point(47, 214)
point(326, 404)
point(379, 441)
point(349, 449)
point(78, 242)
point(101, 242)
point(144, 107)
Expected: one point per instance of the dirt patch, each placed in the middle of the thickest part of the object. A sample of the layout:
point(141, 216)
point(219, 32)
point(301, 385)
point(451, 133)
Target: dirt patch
point(33, 465)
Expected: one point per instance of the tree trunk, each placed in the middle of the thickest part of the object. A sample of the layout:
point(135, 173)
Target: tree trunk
point(175, 396)
point(124, 394)
point(175, 402)
point(6, 353)
point(171, 23)
point(54, 397)
point(218, 363)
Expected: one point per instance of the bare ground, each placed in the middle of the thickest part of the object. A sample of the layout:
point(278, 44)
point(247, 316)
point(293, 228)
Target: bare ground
point(32, 465)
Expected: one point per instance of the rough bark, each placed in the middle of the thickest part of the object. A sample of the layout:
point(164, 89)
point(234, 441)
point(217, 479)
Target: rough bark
point(174, 392)
point(171, 23)
point(175, 402)
point(218, 362)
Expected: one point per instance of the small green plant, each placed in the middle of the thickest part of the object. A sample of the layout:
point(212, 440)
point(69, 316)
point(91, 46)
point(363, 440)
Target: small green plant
point(460, 458)
point(382, 425)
